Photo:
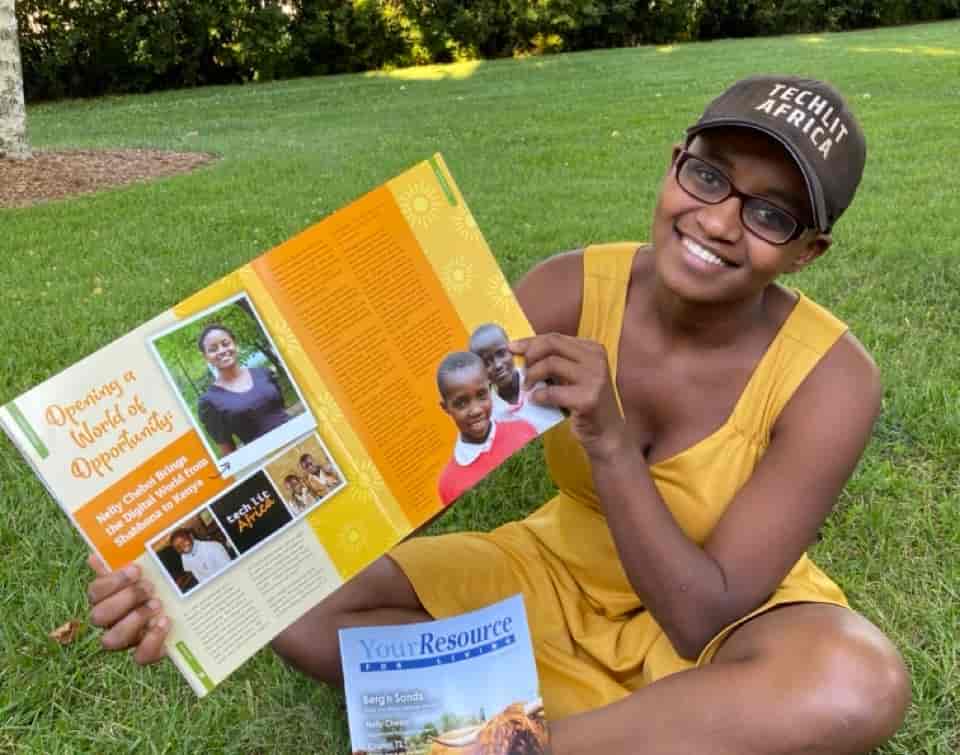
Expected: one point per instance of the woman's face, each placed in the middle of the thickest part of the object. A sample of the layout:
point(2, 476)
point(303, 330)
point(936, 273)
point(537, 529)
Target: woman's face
point(703, 251)
point(219, 349)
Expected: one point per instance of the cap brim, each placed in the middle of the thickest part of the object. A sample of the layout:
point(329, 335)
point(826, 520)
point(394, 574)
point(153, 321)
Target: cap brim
point(814, 189)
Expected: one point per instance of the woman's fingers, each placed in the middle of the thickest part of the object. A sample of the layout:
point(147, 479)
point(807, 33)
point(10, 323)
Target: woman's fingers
point(122, 603)
point(537, 348)
point(109, 582)
point(99, 568)
point(577, 366)
point(115, 606)
point(129, 629)
point(143, 630)
point(563, 396)
point(150, 649)
point(555, 369)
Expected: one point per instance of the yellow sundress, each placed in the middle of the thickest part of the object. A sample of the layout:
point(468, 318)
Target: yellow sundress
point(594, 641)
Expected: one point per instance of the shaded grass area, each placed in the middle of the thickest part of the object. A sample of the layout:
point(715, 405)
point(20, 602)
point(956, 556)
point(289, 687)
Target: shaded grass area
point(551, 153)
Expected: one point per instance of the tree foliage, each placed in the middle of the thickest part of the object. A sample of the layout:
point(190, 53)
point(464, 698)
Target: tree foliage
point(75, 49)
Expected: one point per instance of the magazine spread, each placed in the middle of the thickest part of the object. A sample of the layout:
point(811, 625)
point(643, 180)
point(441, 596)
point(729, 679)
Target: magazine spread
point(467, 684)
point(263, 441)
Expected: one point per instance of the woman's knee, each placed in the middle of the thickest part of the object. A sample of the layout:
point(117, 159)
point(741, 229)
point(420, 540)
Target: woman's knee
point(381, 584)
point(311, 643)
point(864, 687)
point(869, 690)
point(845, 687)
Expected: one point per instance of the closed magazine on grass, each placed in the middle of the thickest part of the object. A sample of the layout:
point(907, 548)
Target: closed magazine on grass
point(466, 685)
point(264, 440)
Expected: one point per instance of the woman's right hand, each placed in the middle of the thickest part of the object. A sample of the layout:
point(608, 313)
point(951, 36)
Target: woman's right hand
point(124, 605)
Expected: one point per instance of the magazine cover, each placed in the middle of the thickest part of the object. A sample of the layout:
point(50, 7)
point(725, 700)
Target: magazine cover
point(466, 685)
point(264, 440)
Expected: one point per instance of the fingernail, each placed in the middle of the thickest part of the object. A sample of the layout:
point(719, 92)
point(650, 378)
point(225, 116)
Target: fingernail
point(131, 572)
point(162, 622)
point(147, 587)
point(153, 605)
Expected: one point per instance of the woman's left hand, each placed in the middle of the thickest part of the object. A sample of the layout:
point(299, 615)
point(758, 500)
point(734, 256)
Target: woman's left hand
point(576, 377)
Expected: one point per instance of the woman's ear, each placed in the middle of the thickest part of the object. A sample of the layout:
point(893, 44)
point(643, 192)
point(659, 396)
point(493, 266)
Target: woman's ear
point(815, 247)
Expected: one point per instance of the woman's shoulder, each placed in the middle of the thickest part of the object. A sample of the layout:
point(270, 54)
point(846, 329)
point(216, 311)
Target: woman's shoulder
point(844, 376)
point(826, 334)
point(551, 293)
point(539, 291)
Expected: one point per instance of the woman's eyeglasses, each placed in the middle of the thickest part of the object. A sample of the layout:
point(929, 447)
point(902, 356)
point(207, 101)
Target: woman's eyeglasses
point(710, 185)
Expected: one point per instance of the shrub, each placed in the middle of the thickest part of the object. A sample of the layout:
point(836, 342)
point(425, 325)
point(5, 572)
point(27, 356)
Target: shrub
point(92, 47)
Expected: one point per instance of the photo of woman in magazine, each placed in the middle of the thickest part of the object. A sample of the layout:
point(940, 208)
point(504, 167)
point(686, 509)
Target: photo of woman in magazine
point(242, 403)
point(233, 383)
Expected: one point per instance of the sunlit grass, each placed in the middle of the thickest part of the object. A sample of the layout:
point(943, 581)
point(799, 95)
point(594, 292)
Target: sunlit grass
point(934, 52)
point(462, 70)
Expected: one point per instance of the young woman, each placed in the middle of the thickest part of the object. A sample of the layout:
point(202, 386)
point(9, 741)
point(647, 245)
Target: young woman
point(243, 403)
point(715, 415)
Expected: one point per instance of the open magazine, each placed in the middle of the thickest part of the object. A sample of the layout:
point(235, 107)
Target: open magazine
point(466, 685)
point(263, 441)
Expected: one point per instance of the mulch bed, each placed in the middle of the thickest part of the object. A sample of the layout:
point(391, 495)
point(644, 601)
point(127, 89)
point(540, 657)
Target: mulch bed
point(59, 174)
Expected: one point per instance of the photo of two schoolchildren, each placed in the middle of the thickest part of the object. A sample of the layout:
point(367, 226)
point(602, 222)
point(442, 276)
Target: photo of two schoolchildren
point(482, 390)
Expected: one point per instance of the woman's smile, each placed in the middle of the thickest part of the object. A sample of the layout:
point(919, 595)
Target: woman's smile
point(703, 254)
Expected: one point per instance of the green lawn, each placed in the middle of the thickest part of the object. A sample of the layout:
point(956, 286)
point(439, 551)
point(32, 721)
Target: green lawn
point(551, 153)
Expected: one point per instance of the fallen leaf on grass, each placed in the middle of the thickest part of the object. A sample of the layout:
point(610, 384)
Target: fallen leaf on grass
point(67, 633)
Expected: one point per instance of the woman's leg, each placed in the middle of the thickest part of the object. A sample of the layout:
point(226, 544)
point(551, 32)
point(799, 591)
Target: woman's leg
point(805, 678)
point(380, 594)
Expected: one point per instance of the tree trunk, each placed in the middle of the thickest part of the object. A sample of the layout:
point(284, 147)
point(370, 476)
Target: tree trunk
point(13, 114)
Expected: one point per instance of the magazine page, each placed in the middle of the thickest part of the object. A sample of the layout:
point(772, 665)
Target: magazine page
point(266, 439)
point(467, 684)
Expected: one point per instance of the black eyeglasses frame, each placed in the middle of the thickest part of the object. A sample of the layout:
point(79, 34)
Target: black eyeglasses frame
point(733, 191)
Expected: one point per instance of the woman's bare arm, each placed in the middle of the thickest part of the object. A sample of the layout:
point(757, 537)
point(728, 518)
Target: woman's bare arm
point(694, 591)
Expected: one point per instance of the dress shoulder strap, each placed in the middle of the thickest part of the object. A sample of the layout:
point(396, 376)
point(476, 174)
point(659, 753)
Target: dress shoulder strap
point(606, 277)
point(808, 333)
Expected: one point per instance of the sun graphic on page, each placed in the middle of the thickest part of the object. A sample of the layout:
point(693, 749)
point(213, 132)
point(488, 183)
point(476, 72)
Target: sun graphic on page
point(420, 204)
point(352, 537)
point(457, 275)
point(465, 225)
point(500, 294)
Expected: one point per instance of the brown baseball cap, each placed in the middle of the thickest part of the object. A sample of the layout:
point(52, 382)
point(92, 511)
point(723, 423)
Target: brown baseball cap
point(812, 121)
